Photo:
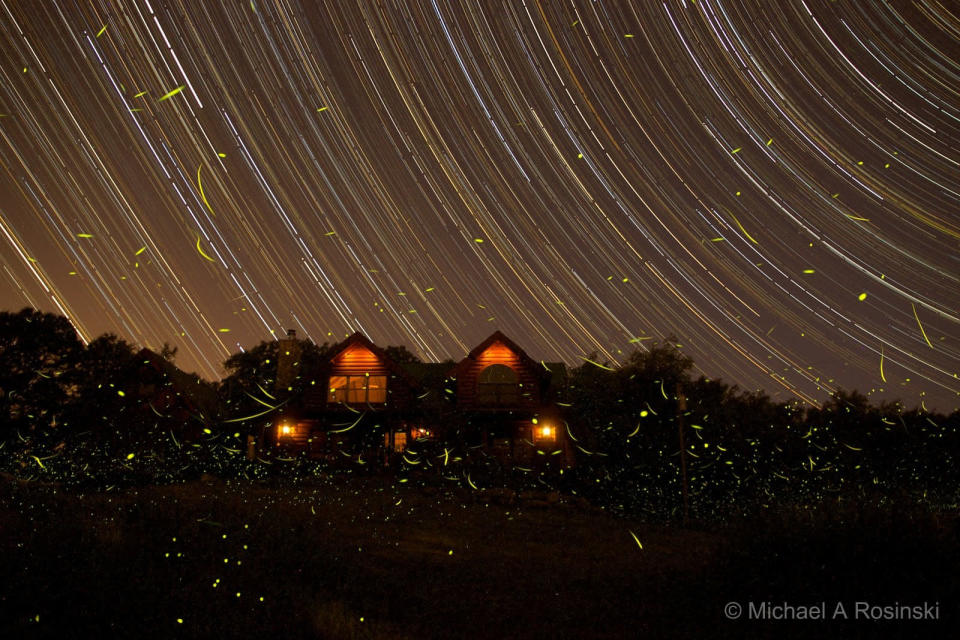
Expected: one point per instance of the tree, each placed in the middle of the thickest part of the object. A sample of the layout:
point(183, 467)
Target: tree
point(660, 362)
point(168, 353)
point(400, 355)
point(39, 353)
point(249, 387)
point(104, 401)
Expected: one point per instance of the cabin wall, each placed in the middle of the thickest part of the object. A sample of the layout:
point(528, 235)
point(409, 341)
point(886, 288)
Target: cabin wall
point(498, 353)
point(357, 360)
point(296, 438)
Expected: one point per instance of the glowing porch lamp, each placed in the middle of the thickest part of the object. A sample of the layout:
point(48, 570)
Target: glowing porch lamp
point(544, 432)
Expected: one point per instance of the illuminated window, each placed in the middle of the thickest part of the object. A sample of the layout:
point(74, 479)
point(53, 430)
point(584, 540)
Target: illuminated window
point(358, 389)
point(399, 440)
point(338, 388)
point(498, 385)
point(377, 389)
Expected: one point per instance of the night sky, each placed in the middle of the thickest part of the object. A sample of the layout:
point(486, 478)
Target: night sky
point(775, 183)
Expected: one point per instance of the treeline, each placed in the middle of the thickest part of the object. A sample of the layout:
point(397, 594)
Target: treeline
point(742, 451)
point(107, 413)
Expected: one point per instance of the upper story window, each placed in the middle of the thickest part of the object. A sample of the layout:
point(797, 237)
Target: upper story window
point(498, 385)
point(365, 389)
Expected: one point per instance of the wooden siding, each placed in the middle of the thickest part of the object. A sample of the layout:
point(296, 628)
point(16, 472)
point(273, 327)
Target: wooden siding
point(498, 353)
point(358, 360)
point(299, 433)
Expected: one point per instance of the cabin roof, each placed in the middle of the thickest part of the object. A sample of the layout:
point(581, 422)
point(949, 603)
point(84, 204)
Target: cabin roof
point(496, 336)
point(362, 340)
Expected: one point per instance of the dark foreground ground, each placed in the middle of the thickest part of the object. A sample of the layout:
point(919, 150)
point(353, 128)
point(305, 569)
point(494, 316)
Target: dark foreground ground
point(367, 558)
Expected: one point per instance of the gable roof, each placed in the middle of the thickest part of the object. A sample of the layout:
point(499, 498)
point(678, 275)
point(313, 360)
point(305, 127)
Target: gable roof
point(496, 336)
point(358, 339)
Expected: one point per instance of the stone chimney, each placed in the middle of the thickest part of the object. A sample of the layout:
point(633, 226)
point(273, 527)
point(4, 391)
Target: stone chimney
point(288, 362)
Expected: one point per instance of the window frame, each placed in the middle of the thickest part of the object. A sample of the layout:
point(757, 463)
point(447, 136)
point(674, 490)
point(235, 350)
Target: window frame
point(498, 393)
point(357, 389)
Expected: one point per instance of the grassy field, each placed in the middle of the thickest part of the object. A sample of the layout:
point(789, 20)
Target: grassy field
point(366, 558)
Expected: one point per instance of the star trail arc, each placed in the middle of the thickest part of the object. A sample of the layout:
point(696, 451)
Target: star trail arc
point(577, 174)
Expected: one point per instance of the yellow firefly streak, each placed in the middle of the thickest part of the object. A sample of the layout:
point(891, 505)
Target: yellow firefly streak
point(744, 230)
point(636, 539)
point(596, 364)
point(170, 94)
point(264, 403)
point(882, 377)
point(256, 415)
point(355, 423)
point(201, 251)
point(100, 33)
point(200, 186)
point(924, 333)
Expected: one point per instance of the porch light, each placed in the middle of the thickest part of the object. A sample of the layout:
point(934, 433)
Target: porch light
point(285, 429)
point(545, 432)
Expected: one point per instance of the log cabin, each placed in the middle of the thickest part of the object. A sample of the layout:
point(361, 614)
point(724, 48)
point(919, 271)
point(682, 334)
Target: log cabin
point(506, 401)
point(363, 402)
point(365, 405)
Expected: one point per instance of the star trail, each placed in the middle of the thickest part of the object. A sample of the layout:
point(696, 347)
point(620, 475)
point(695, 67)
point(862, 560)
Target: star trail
point(776, 184)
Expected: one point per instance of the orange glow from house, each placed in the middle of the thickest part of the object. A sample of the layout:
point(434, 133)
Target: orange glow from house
point(545, 432)
point(357, 354)
point(498, 353)
point(285, 429)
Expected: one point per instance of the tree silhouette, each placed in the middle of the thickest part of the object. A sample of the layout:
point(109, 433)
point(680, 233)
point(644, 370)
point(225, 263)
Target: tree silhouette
point(39, 353)
point(249, 387)
point(106, 401)
point(400, 354)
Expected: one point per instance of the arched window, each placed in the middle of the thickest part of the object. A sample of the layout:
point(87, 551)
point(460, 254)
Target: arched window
point(498, 385)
